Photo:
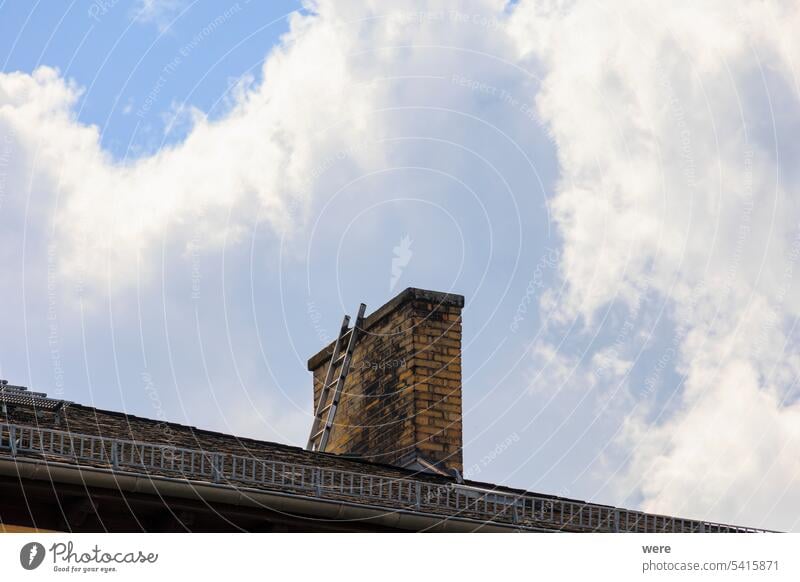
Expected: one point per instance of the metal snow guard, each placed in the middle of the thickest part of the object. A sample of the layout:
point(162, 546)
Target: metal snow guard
point(450, 500)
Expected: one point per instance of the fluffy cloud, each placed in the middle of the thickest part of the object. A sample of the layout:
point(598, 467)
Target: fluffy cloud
point(260, 156)
point(321, 88)
point(159, 12)
point(675, 181)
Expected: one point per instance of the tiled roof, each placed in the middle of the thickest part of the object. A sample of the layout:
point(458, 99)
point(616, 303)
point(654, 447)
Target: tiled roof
point(78, 419)
point(90, 437)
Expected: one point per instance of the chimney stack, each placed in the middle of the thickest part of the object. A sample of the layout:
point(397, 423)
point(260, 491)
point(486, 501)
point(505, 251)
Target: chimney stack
point(401, 402)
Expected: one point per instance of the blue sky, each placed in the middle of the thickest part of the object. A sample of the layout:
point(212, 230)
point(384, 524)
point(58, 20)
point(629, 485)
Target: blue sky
point(192, 194)
point(117, 51)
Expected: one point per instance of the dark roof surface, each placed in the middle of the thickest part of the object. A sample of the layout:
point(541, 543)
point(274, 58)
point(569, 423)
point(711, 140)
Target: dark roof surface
point(119, 425)
point(142, 442)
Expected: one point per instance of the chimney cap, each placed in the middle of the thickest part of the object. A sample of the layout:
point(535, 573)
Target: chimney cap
point(408, 294)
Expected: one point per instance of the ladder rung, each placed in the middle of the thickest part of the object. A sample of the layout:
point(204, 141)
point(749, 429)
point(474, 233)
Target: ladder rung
point(338, 383)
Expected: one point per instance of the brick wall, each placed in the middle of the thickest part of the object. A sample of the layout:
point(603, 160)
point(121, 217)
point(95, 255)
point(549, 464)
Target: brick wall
point(402, 397)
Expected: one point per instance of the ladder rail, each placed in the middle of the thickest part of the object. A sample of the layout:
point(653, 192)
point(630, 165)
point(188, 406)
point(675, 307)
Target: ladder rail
point(327, 407)
point(345, 369)
point(329, 374)
point(325, 390)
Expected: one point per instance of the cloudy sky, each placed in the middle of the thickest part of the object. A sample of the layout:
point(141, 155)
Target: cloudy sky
point(192, 194)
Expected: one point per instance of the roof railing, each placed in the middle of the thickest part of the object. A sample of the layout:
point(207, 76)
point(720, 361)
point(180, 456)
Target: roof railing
point(524, 511)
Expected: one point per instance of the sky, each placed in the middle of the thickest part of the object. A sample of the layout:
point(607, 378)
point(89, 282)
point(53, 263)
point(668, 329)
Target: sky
point(192, 194)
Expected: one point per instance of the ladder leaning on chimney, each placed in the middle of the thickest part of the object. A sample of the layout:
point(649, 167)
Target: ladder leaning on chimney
point(326, 408)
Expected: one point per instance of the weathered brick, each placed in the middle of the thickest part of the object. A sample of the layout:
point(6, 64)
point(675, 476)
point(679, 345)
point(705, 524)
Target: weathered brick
point(403, 392)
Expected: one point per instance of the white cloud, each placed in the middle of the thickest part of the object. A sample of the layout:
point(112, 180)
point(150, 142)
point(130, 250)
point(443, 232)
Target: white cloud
point(554, 370)
point(259, 156)
point(666, 129)
point(322, 94)
point(158, 12)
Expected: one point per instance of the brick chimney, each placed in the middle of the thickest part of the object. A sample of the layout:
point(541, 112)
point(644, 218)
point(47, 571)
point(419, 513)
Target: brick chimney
point(401, 403)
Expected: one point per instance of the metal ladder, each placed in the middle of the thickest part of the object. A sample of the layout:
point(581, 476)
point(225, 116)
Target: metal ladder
point(326, 408)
